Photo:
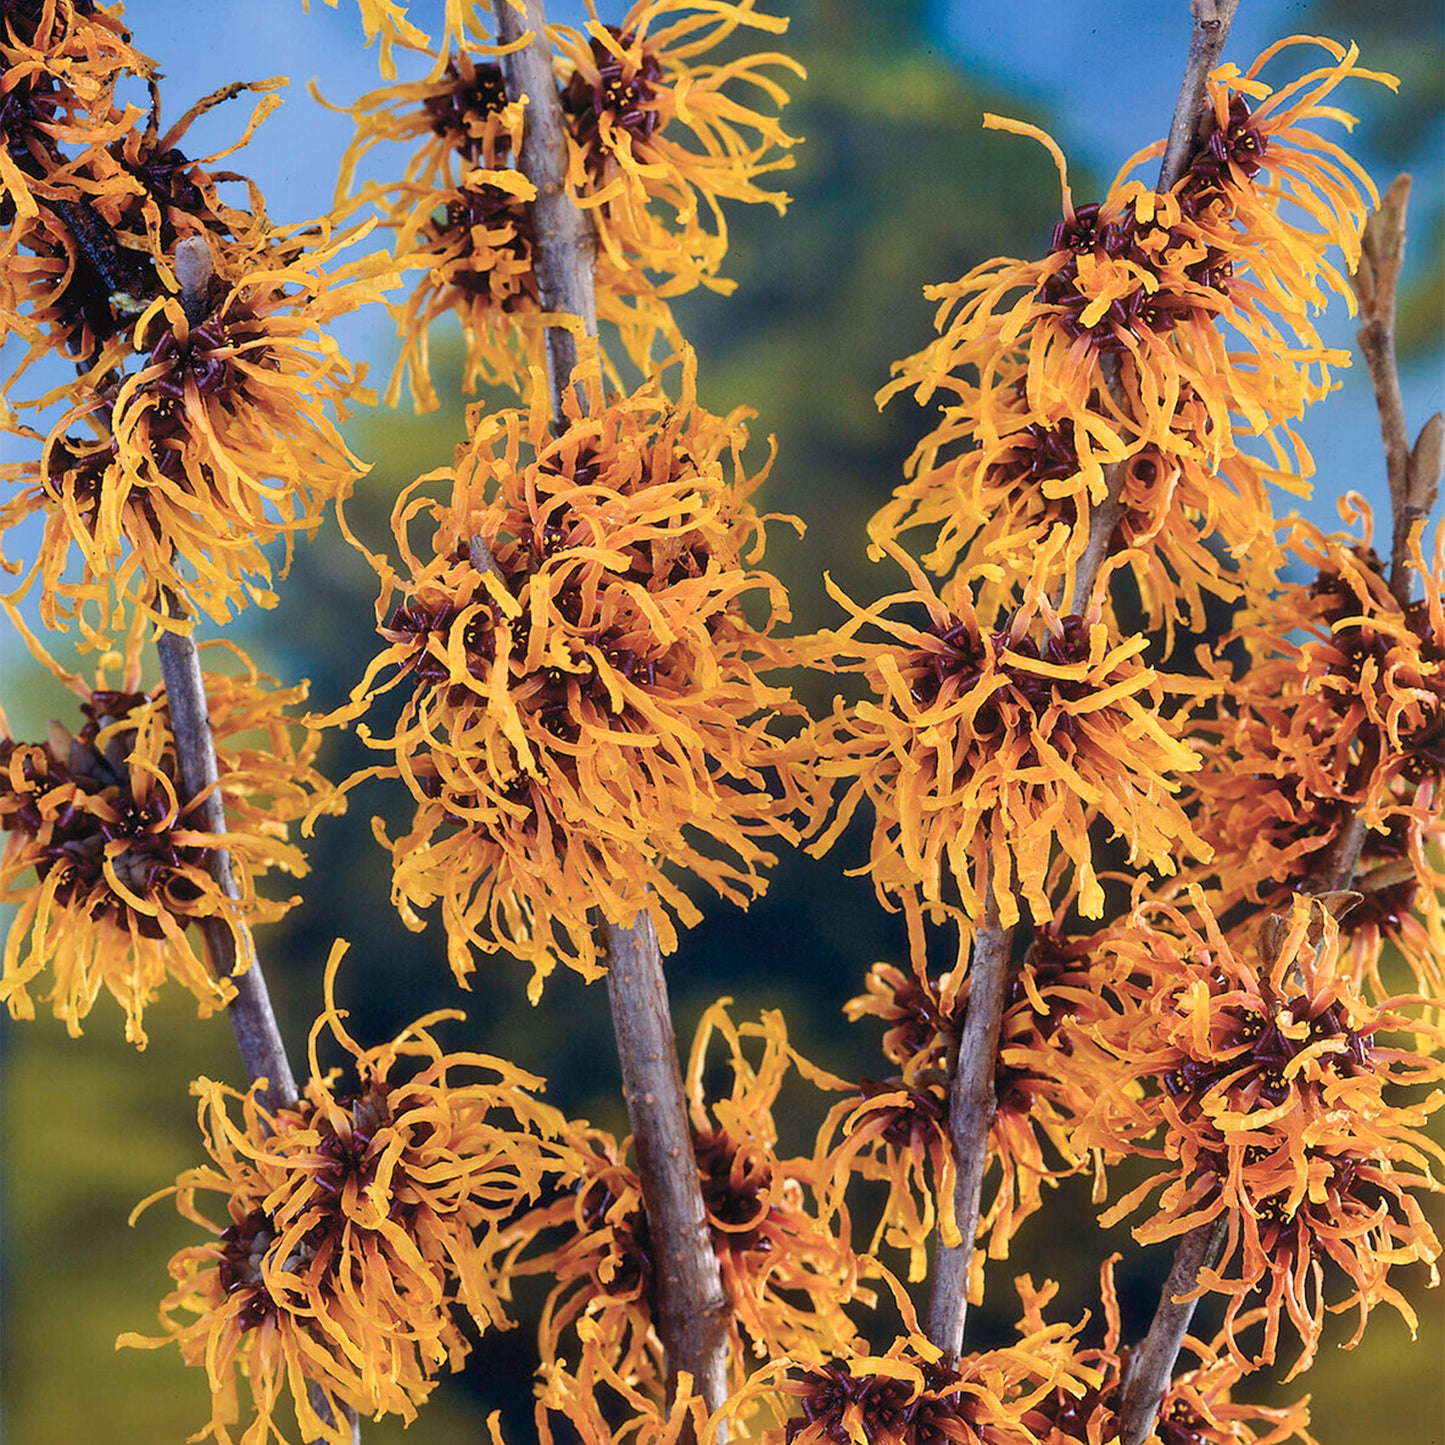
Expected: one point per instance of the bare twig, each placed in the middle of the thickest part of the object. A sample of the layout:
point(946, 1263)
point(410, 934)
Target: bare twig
point(566, 245)
point(692, 1304)
point(1151, 1362)
point(972, 1104)
point(252, 1019)
point(1413, 472)
point(1105, 517)
point(1337, 868)
point(1212, 19)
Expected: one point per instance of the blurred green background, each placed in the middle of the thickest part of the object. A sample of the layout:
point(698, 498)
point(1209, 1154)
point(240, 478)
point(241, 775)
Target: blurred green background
point(896, 186)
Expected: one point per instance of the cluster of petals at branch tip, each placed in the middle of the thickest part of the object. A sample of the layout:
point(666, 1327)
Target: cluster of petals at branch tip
point(1047, 376)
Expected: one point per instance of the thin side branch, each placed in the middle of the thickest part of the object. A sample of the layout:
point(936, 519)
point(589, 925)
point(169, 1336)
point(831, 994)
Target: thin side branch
point(1413, 472)
point(1337, 867)
point(692, 1304)
point(1151, 1363)
point(972, 1105)
point(566, 245)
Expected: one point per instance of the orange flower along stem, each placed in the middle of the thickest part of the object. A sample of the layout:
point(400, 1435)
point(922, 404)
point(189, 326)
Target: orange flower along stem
point(1212, 19)
point(1414, 478)
point(1151, 1366)
point(253, 1020)
point(972, 1099)
point(692, 1306)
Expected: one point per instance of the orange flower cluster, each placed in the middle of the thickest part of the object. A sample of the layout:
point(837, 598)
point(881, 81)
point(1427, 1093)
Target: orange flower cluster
point(1341, 714)
point(1103, 364)
point(1117, 408)
point(582, 642)
point(586, 695)
point(1197, 1409)
point(895, 1130)
point(110, 868)
point(983, 747)
point(657, 140)
point(358, 1222)
point(200, 427)
point(1280, 1103)
point(788, 1273)
point(1048, 1389)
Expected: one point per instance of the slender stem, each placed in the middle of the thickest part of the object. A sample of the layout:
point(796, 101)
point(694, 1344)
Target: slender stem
point(1105, 517)
point(692, 1304)
point(1151, 1362)
point(1151, 1365)
point(565, 248)
point(1413, 474)
point(263, 1054)
point(1212, 19)
point(252, 1019)
point(972, 1104)
point(1337, 867)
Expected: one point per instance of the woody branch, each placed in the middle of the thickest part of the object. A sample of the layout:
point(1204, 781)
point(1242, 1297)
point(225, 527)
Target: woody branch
point(692, 1307)
point(253, 1020)
point(972, 1101)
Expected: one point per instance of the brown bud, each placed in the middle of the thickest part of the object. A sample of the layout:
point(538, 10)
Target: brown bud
point(1427, 462)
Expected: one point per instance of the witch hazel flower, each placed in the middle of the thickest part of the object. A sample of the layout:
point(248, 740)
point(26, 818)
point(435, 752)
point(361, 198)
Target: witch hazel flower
point(355, 1224)
point(108, 862)
point(1280, 1103)
point(582, 638)
point(988, 750)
